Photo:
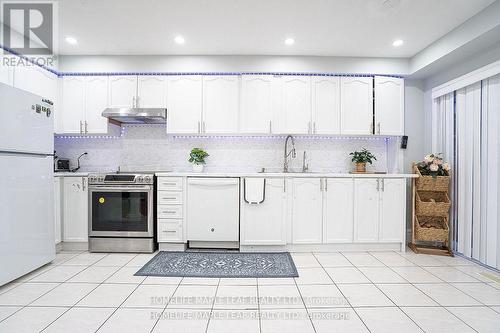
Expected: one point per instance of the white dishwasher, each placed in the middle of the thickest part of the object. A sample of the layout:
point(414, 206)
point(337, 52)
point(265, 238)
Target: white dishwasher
point(213, 212)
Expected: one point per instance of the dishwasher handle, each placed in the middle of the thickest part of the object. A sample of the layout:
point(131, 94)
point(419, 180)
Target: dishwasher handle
point(211, 182)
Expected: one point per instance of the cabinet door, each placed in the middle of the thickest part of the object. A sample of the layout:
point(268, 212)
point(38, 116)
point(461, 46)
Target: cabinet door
point(326, 105)
point(392, 210)
point(265, 224)
point(337, 210)
point(96, 100)
point(366, 210)
point(356, 105)
point(75, 209)
point(256, 112)
point(36, 80)
point(72, 111)
point(6, 72)
point(295, 113)
point(220, 104)
point(122, 91)
point(57, 210)
point(307, 211)
point(151, 91)
point(184, 104)
point(389, 105)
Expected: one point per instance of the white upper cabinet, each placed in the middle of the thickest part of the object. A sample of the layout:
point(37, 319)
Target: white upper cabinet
point(325, 105)
point(6, 72)
point(220, 104)
point(71, 114)
point(184, 104)
point(389, 105)
point(96, 100)
point(265, 223)
point(356, 105)
point(36, 80)
point(83, 101)
point(338, 210)
point(295, 114)
point(307, 212)
point(257, 103)
point(392, 210)
point(151, 91)
point(366, 210)
point(123, 91)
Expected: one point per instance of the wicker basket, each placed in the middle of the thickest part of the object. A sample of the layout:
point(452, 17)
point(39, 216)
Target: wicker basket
point(431, 228)
point(429, 183)
point(432, 203)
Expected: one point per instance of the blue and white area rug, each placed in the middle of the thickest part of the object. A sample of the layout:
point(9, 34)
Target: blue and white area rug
point(220, 265)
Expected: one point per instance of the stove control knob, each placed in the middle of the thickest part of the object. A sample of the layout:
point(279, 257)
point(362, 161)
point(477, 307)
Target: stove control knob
point(100, 179)
point(92, 178)
point(140, 179)
point(147, 179)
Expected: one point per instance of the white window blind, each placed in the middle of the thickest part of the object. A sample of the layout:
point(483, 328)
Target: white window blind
point(465, 128)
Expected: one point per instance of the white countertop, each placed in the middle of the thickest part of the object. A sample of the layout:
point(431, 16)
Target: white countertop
point(71, 174)
point(285, 175)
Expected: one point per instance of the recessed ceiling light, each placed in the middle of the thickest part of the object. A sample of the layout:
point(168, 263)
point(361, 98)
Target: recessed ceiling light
point(397, 43)
point(179, 40)
point(289, 41)
point(71, 40)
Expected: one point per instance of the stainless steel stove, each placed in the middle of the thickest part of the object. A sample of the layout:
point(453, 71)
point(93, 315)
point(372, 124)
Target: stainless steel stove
point(121, 212)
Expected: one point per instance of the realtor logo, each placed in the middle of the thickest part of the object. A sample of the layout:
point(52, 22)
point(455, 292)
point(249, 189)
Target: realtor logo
point(28, 27)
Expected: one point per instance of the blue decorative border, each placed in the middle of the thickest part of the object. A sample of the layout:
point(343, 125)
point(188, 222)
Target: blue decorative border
point(62, 74)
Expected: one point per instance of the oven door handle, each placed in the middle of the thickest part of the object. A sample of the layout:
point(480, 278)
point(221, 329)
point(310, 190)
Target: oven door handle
point(120, 188)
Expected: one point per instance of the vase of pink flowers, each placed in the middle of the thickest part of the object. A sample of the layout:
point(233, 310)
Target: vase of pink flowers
point(434, 174)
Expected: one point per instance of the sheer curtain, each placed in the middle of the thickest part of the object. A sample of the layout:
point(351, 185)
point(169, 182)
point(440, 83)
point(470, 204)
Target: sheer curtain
point(465, 128)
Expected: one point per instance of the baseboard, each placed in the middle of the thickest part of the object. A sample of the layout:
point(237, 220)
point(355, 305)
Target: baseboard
point(74, 246)
point(323, 247)
point(172, 246)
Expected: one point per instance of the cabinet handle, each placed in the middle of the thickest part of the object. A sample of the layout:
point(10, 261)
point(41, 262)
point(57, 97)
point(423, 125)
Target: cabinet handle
point(169, 198)
point(270, 126)
point(83, 184)
point(326, 184)
point(204, 127)
point(133, 101)
point(81, 127)
point(284, 185)
point(321, 184)
point(378, 127)
point(137, 101)
point(314, 127)
point(372, 128)
point(169, 212)
point(383, 185)
point(198, 127)
point(86, 127)
point(169, 184)
point(169, 231)
point(309, 128)
point(378, 184)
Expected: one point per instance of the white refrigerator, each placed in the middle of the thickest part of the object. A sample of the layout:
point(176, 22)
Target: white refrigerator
point(26, 183)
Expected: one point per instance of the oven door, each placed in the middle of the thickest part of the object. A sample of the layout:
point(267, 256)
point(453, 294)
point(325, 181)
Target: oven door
point(121, 211)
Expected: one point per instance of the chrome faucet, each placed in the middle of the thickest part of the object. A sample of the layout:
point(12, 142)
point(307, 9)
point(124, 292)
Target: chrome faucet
point(305, 163)
point(288, 153)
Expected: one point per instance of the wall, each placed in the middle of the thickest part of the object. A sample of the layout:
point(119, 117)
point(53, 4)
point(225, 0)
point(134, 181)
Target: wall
point(151, 63)
point(148, 146)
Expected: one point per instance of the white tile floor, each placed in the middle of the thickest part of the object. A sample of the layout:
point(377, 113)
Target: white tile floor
point(336, 292)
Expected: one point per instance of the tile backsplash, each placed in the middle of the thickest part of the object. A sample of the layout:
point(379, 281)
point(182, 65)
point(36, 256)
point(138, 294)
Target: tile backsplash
point(149, 147)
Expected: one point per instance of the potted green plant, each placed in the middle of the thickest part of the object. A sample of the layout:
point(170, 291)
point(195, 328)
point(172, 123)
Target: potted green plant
point(197, 157)
point(360, 158)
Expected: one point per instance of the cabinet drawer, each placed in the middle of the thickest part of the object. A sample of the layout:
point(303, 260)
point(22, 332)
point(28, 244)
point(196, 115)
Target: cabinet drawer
point(169, 198)
point(169, 212)
point(170, 183)
point(169, 230)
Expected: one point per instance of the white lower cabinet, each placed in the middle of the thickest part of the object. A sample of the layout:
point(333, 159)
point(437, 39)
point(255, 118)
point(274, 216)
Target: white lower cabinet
point(307, 211)
point(379, 210)
point(57, 210)
point(392, 210)
point(338, 210)
point(265, 223)
point(170, 209)
point(75, 209)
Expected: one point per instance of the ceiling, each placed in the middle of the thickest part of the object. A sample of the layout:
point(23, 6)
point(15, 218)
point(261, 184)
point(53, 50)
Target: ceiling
point(354, 28)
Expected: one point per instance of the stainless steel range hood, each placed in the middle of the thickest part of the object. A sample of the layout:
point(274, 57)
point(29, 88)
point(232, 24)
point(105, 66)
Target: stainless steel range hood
point(136, 115)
